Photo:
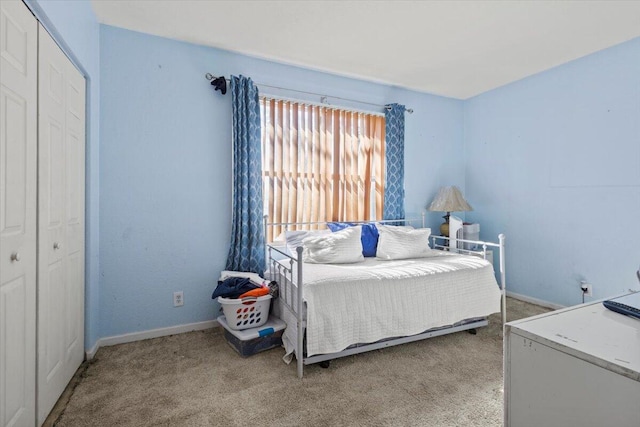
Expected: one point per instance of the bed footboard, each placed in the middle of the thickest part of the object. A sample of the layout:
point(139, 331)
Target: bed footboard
point(443, 243)
point(284, 271)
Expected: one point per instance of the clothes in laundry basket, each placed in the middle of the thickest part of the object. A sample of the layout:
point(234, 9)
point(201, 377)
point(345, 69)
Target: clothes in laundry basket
point(233, 287)
point(258, 292)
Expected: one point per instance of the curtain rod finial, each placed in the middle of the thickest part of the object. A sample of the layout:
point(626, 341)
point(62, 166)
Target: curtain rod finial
point(220, 83)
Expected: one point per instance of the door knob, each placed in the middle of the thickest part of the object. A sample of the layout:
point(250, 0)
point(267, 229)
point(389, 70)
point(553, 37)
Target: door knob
point(15, 256)
point(57, 245)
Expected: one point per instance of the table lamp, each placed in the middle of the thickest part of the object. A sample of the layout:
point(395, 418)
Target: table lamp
point(449, 199)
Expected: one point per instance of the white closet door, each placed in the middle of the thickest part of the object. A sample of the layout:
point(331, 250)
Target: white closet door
point(60, 222)
point(74, 218)
point(18, 156)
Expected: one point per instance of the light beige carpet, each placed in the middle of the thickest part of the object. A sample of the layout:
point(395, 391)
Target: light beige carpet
point(196, 379)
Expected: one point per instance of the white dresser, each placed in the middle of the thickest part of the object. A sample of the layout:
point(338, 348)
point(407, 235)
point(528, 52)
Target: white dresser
point(579, 366)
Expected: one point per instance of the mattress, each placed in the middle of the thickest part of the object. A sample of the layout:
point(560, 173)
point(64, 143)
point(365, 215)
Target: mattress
point(366, 302)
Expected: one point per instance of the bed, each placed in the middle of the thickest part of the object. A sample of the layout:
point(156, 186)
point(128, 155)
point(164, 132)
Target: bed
point(345, 309)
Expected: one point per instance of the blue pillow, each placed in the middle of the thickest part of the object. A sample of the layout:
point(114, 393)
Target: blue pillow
point(368, 236)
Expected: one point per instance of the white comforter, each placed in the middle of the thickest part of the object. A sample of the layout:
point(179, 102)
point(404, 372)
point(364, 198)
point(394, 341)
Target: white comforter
point(372, 300)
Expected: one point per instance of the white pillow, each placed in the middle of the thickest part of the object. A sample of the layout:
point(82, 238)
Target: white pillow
point(279, 242)
point(405, 227)
point(295, 238)
point(402, 243)
point(339, 247)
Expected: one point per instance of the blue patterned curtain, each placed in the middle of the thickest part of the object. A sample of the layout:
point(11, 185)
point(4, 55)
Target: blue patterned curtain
point(246, 252)
point(394, 159)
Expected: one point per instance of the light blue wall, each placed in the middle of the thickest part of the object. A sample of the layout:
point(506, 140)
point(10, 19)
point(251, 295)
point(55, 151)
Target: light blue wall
point(541, 156)
point(75, 28)
point(165, 168)
point(553, 161)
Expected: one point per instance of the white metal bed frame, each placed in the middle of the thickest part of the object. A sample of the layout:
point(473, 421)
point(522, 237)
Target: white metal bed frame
point(291, 295)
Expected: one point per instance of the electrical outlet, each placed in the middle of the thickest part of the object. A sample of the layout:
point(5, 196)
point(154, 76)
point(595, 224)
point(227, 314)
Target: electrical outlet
point(587, 288)
point(178, 299)
point(589, 291)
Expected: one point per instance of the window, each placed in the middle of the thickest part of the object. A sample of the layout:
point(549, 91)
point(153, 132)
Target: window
point(320, 164)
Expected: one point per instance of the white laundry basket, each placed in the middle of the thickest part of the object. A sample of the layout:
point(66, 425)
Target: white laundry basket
point(245, 313)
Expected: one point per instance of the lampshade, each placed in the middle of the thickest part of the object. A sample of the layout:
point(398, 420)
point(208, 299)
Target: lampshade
point(449, 199)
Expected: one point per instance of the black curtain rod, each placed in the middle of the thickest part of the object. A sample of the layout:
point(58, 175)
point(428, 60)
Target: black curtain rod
point(220, 84)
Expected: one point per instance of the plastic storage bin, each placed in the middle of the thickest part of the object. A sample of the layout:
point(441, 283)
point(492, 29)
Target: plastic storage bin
point(251, 341)
point(470, 232)
point(247, 312)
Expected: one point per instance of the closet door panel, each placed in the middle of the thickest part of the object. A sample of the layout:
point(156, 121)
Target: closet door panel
point(75, 150)
point(51, 317)
point(74, 338)
point(51, 154)
point(52, 289)
point(18, 151)
point(74, 218)
point(16, 401)
point(60, 222)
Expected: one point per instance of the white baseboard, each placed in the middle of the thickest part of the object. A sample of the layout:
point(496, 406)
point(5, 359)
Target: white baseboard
point(533, 300)
point(151, 333)
point(208, 324)
point(89, 354)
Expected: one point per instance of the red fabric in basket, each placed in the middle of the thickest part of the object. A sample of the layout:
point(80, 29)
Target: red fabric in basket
point(264, 290)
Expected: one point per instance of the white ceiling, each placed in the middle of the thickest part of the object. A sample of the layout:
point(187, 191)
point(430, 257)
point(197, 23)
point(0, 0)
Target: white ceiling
point(457, 49)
